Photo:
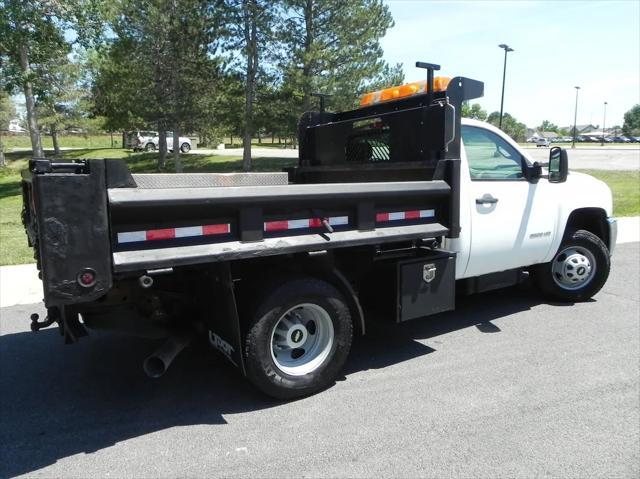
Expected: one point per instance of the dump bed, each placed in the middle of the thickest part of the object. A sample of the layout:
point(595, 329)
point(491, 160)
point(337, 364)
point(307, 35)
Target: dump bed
point(92, 221)
point(83, 217)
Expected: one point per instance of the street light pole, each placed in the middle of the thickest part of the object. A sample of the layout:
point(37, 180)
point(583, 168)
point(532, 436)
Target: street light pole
point(506, 49)
point(575, 118)
point(604, 119)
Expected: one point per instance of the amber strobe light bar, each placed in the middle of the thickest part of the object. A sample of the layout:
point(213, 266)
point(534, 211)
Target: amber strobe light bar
point(403, 91)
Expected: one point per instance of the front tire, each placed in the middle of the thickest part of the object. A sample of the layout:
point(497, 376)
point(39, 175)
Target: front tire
point(150, 147)
point(299, 338)
point(185, 148)
point(578, 270)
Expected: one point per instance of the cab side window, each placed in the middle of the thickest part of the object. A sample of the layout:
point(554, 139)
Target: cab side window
point(489, 156)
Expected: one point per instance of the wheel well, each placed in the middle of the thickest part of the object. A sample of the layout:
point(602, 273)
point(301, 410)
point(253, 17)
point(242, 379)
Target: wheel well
point(593, 220)
point(320, 268)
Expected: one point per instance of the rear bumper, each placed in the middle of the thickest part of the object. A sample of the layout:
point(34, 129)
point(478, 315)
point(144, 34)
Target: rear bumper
point(613, 234)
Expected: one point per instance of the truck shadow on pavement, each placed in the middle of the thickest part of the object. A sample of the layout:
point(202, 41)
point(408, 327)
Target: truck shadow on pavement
point(58, 401)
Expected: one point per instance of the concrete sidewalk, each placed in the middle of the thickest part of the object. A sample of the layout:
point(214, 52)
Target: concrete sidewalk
point(19, 284)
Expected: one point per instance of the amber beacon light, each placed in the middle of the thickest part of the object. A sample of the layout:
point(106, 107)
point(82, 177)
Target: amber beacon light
point(403, 91)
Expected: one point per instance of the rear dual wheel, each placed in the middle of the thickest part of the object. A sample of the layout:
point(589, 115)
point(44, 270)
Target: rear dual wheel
point(298, 339)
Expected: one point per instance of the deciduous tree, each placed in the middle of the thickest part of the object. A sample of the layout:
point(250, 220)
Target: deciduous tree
point(631, 124)
point(33, 36)
point(7, 113)
point(474, 111)
point(546, 125)
point(510, 125)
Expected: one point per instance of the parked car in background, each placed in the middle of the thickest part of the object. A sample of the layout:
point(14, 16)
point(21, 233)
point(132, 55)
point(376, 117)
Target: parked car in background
point(138, 140)
point(542, 142)
point(154, 143)
point(634, 139)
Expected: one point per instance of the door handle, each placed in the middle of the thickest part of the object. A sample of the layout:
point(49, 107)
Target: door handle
point(487, 198)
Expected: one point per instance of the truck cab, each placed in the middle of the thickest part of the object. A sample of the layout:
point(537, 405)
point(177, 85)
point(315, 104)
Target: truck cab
point(512, 221)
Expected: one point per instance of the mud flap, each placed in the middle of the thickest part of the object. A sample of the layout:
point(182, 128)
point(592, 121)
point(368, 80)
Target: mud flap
point(221, 314)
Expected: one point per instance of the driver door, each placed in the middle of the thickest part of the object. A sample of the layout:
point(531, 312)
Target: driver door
point(512, 219)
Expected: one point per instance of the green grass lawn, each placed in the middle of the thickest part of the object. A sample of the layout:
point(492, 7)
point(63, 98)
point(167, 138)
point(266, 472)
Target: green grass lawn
point(65, 141)
point(625, 186)
point(104, 141)
point(13, 241)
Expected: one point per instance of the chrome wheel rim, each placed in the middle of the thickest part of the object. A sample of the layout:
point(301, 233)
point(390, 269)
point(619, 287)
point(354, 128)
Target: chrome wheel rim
point(573, 268)
point(302, 339)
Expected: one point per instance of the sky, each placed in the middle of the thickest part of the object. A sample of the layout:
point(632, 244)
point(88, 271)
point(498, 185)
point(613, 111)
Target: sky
point(557, 45)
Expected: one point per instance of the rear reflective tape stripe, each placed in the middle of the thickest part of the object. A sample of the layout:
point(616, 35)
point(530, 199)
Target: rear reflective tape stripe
point(276, 226)
point(167, 233)
point(284, 225)
point(216, 229)
point(171, 233)
point(339, 220)
point(296, 224)
point(132, 236)
point(404, 215)
point(188, 231)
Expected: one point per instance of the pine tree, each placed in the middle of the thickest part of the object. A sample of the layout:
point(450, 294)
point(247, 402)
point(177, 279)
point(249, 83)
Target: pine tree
point(332, 47)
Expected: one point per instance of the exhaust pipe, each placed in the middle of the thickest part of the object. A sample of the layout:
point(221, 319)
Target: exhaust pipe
point(157, 363)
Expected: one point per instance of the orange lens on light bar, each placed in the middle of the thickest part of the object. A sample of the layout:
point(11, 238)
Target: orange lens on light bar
point(402, 91)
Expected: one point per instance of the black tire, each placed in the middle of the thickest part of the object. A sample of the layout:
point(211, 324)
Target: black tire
point(262, 369)
point(548, 281)
point(150, 147)
point(185, 148)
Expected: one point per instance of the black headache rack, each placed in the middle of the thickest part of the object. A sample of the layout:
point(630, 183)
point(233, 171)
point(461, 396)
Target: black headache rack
point(404, 135)
point(416, 138)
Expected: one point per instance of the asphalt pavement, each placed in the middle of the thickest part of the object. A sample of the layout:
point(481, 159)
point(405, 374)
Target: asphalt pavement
point(507, 386)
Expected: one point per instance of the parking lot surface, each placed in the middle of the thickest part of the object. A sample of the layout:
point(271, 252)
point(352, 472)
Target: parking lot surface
point(507, 386)
point(597, 158)
point(593, 158)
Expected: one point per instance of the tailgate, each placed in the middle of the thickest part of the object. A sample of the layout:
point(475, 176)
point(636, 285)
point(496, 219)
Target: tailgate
point(66, 219)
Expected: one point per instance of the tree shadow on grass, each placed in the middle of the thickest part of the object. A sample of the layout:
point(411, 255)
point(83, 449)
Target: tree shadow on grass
point(10, 188)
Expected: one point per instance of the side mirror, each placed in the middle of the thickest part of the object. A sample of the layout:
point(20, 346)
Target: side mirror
point(558, 165)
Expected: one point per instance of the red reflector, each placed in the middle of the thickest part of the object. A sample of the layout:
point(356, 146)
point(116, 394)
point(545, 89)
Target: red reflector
point(161, 234)
point(411, 215)
point(315, 223)
point(86, 278)
point(382, 217)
